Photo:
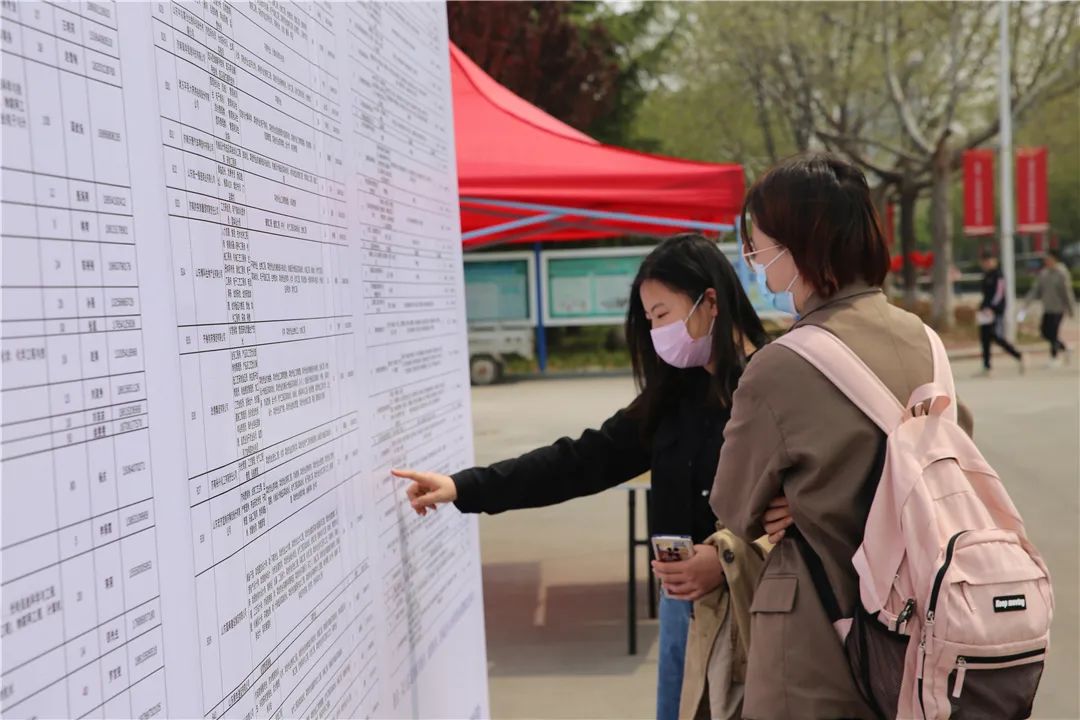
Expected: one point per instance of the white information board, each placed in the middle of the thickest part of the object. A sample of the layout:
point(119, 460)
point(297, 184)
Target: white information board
point(232, 300)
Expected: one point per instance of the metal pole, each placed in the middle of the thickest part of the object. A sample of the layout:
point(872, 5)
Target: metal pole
point(477, 204)
point(541, 332)
point(1008, 256)
point(631, 585)
point(648, 545)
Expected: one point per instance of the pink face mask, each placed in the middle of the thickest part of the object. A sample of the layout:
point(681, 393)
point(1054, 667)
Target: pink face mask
point(677, 348)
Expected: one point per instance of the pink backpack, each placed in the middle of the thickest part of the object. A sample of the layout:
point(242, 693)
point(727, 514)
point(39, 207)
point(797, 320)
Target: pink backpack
point(956, 601)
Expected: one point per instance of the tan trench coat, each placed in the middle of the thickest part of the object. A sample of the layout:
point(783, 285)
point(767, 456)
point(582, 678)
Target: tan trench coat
point(791, 430)
point(716, 646)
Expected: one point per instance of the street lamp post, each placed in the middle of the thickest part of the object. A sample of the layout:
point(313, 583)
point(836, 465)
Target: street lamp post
point(1008, 257)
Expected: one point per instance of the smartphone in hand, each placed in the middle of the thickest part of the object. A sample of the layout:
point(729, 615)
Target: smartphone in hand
point(672, 548)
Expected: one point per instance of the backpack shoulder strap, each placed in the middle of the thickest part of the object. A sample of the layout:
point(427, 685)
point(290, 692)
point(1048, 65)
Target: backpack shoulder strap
point(943, 377)
point(937, 397)
point(837, 362)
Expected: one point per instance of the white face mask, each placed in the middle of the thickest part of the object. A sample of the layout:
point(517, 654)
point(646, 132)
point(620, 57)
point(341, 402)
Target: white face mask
point(675, 346)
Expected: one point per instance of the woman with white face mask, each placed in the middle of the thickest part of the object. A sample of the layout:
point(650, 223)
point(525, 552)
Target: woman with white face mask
point(690, 328)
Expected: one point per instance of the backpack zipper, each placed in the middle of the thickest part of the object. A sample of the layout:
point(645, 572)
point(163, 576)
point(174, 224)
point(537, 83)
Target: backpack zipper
point(941, 577)
point(904, 615)
point(961, 671)
point(931, 608)
point(963, 661)
point(993, 660)
point(919, 669)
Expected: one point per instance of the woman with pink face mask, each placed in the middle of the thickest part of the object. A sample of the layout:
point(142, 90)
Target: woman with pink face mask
point(690, 328)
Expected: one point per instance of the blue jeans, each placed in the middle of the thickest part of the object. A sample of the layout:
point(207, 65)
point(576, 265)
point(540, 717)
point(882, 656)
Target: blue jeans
point(674, 627)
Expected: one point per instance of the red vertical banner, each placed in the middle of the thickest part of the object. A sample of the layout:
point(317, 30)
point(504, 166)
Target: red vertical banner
point(979, 192)
point(890, 223)
point(1032, 214)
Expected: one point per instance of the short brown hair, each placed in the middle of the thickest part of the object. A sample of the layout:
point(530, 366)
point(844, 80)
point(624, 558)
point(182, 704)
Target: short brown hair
point(818, 207)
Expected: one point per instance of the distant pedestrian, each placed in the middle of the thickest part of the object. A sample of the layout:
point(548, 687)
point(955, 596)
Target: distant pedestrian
point(991, 313)
point(1053, 287)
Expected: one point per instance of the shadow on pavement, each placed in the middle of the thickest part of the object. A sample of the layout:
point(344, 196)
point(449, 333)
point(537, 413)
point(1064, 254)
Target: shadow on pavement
point(575, 629)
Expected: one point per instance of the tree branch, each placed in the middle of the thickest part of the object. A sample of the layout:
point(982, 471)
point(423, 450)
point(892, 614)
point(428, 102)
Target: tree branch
point(844, 147)
point(955, 59)
point(752, 71)
point(849, 63)
point(1053, 47)
point(900, 102)
point(1044, 56)
point(847, 139)
point(1020, 108)
point(947, 73)
point(1016, 23)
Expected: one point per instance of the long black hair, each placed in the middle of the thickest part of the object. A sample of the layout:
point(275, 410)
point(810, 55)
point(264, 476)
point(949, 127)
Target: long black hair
point(689, 264)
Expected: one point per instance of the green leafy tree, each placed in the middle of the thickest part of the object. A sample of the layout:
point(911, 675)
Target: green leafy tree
point(902, 89)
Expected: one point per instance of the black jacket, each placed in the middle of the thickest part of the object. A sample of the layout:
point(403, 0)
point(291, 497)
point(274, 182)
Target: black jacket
point(683, 456)
point(993, 291)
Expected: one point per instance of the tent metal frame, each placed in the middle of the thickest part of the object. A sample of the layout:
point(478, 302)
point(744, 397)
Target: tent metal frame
point(549, 213)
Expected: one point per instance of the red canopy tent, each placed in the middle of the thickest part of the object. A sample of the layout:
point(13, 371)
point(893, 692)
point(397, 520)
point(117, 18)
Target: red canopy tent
point(525, 176)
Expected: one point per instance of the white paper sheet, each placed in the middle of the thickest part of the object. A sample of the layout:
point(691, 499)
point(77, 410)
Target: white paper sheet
point(232, 300)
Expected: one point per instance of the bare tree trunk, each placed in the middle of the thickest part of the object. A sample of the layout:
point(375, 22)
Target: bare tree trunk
point(755, 76)
point(908, 197)
point(879, 195)
point(944, 300)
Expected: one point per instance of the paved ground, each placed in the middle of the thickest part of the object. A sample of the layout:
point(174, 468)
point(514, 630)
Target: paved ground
point(555, 578)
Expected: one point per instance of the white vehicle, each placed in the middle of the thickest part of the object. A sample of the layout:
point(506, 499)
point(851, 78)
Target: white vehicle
point(490, 343)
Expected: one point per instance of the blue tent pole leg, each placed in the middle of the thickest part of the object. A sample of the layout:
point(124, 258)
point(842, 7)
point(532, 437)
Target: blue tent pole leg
point(541, 333)
point(738, 239)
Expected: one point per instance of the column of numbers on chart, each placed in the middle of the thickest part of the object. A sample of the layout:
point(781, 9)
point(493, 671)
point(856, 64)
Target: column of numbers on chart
point(251, 124)
point(81, 619)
